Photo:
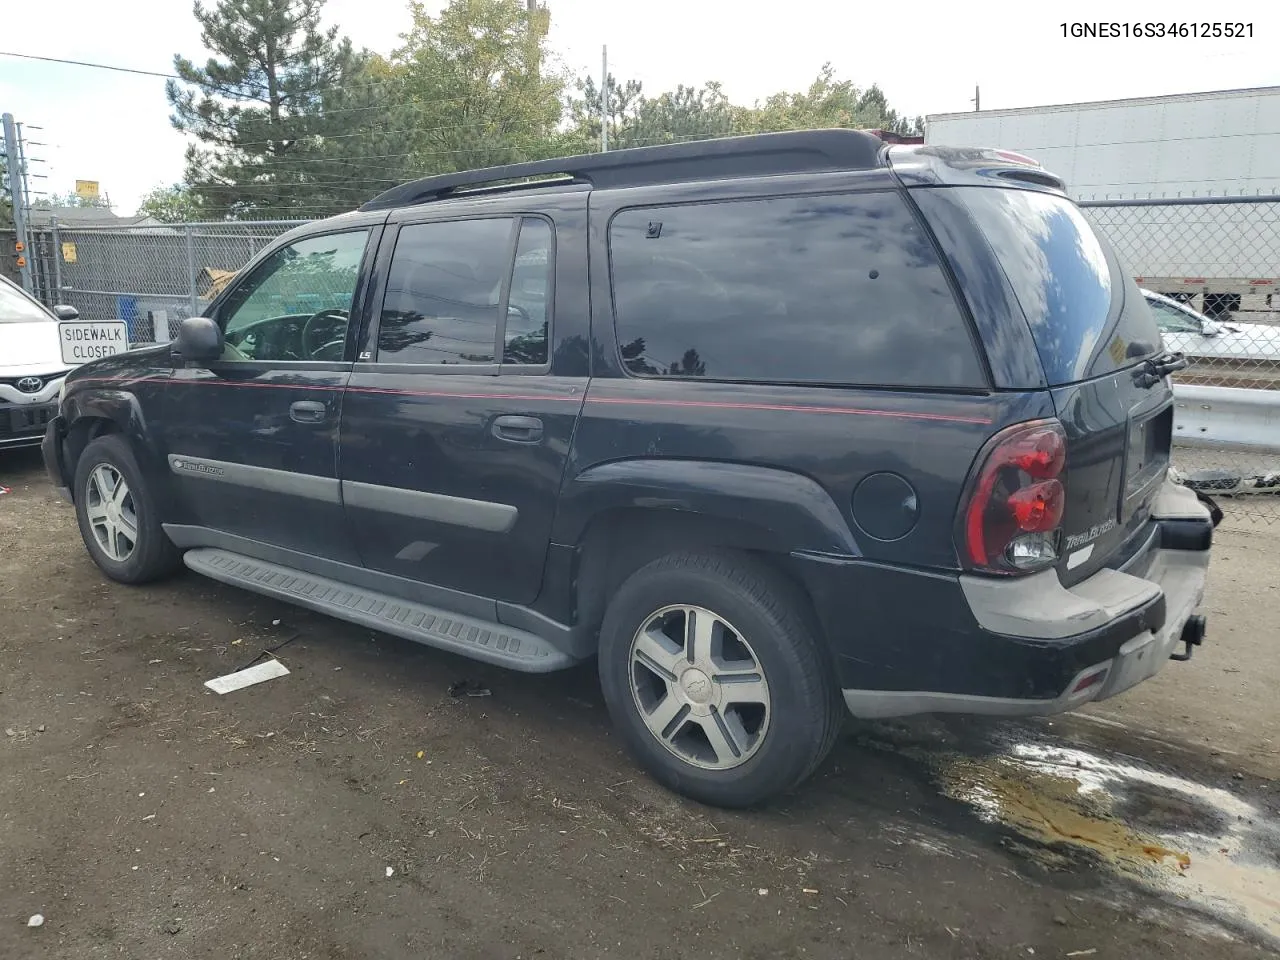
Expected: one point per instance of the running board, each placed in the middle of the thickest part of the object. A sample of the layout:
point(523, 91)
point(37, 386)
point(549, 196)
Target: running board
point(467, 636)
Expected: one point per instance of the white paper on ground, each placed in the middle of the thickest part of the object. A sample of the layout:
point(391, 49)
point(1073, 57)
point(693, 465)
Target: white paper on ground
point(248, 677)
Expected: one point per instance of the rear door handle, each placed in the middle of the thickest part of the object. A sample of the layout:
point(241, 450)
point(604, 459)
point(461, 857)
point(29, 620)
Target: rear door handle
point(518, 429)
point(308, 411)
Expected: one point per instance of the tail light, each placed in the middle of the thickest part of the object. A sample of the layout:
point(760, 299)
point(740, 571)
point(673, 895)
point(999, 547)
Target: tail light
point(1010, 520)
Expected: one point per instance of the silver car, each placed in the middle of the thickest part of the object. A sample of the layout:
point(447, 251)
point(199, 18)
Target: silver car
point(1201, 338)
point(31, 365)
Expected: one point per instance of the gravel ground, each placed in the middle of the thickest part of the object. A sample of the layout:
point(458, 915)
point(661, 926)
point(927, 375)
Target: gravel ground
point(356, 809)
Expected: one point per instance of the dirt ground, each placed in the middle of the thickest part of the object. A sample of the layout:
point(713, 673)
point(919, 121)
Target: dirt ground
point(356, 809)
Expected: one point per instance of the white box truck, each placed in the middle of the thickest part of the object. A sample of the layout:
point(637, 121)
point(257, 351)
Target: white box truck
point(1169, 179)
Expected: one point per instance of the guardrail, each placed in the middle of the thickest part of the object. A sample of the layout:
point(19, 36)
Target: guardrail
point(1227, 444)
point(1226, 415)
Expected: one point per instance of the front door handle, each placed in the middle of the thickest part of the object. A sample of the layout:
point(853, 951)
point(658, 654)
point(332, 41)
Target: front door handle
point(308, 411)
point(518, 429)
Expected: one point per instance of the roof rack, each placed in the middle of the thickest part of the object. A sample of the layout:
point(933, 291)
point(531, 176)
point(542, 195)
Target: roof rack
point(802, 151)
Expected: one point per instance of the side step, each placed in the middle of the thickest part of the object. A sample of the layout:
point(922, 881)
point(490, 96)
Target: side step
point(468, 636)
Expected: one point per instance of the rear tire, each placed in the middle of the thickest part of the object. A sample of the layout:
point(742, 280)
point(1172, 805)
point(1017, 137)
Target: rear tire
point(715, 679)
point(118, 517)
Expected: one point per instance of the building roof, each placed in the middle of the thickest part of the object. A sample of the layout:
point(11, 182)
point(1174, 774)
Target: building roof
point(85, 217)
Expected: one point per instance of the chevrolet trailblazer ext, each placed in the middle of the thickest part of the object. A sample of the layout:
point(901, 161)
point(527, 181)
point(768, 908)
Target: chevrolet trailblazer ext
point(772, 426)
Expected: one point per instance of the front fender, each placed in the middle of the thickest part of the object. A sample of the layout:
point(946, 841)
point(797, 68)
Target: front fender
point(795, 511)
point(119, 407)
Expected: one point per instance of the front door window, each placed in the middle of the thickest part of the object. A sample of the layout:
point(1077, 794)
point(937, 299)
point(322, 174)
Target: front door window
point(296, 304)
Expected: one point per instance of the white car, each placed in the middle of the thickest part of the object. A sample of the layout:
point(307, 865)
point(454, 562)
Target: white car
point(31, 366)
point(1199, 337)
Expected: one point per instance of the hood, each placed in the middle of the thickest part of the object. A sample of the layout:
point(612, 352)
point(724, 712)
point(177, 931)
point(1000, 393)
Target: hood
point(30, 348)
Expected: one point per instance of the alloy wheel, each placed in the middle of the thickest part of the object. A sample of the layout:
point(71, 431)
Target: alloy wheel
point(112, 514)
point(699, 687)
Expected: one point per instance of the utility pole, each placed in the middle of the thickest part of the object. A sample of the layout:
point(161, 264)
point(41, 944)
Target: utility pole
point(977, 99)
point(17, 196)
point(604, 99)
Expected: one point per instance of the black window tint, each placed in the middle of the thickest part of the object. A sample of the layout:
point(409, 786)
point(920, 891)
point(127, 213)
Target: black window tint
point(443, 291)
point(528, 308)
point(1086, 314)
point(832, 289)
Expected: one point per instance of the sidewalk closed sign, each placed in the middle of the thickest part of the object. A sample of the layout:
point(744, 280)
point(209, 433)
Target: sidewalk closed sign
point(85, 340)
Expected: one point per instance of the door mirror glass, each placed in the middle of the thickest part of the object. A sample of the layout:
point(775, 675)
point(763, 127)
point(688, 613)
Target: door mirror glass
point(199, 340)
point(64, 312)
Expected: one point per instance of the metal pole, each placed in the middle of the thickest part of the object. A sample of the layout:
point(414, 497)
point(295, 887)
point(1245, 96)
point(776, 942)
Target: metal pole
point(16, 194)
point(191, 272)
point(604, 99)
point(56, 295)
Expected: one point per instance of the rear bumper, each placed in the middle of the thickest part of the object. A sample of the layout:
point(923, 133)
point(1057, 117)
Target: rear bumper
point(1006, 647)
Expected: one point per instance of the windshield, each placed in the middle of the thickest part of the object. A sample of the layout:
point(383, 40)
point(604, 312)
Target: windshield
point(17, 307)
point(1087, 315)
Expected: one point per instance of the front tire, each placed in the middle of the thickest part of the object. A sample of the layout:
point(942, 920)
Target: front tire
point(117, 514)
point(715, 680)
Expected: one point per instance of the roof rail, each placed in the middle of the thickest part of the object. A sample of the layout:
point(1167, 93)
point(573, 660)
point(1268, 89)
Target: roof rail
point(801, 151)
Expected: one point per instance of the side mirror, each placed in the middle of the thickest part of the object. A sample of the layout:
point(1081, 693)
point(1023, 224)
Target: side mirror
point(1210, 328)
point(64, 312)
point(199, 340)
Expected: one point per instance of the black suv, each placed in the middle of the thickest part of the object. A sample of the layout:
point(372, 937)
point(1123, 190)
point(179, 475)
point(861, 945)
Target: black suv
point(773, 426)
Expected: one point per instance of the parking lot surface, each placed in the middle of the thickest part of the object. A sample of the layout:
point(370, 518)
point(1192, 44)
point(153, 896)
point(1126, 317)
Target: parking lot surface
point(356, 808)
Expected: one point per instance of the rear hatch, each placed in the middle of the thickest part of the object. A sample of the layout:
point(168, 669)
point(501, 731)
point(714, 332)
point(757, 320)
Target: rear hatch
point(1093, 333)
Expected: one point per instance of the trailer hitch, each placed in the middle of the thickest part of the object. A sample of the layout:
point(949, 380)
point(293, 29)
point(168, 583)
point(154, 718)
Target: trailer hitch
point(1192, 636)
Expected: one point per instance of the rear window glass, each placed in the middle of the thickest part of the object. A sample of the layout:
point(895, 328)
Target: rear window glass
point(1086, 314)
point(819, 289)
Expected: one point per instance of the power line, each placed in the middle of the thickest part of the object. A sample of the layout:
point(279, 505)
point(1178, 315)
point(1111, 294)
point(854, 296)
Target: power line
point(173, 76)
point(86, 63)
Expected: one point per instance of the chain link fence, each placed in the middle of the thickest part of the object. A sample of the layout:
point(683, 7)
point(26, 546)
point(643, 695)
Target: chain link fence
point(1215, 264)
point(151, 276)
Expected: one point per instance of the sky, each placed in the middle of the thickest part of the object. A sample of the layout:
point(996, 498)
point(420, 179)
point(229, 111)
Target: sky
point(114, 128)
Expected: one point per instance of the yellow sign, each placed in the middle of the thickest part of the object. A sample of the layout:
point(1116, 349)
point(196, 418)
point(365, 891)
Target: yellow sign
point(87, 189)
point(68, 252)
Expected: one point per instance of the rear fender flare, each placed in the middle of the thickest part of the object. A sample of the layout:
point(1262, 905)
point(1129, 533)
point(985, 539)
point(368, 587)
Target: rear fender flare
point(795, 511)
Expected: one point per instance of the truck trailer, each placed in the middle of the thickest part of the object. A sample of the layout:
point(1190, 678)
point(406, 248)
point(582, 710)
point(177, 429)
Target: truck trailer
point(1187, 187)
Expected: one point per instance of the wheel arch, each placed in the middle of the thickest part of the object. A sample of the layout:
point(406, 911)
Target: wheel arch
point(620, 541)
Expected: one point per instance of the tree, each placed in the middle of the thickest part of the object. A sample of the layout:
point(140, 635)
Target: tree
point(281, 113)
point(479, 82)
point(828, 102)
point(686, 113)
point(172, 204)
point(693, 113)
point(69, 199)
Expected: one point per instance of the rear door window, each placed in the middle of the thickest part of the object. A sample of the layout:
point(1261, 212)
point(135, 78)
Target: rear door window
point(1087, 316)
point(444, 289)
point(817, 289)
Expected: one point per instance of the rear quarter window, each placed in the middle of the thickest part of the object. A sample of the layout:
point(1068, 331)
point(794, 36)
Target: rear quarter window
point(819, 289)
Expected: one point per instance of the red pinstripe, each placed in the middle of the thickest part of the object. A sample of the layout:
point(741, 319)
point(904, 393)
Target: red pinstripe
point(627, 401)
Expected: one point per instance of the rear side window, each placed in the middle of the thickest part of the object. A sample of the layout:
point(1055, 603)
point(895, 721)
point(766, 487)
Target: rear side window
point(1086, 314)
point(443, 292)
point(524, 339)
point(820, 289)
